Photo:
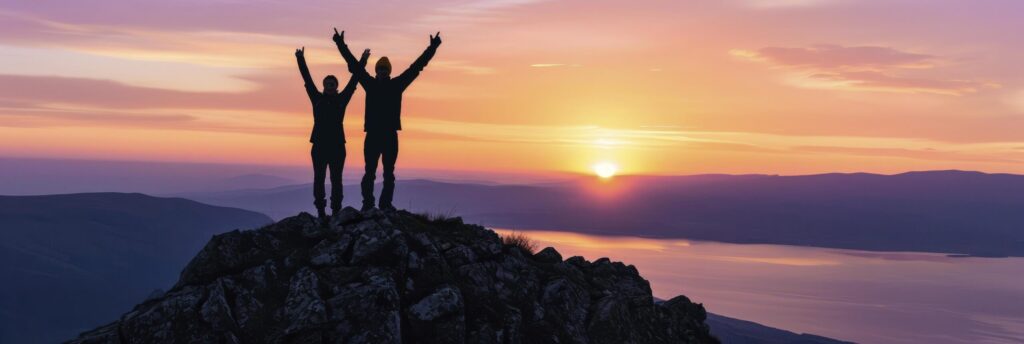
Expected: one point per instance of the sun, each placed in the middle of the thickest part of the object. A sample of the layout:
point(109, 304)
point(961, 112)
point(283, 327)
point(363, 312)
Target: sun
point(606, 169)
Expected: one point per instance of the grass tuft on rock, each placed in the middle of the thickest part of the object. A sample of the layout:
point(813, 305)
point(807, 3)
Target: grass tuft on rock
point(520, 240)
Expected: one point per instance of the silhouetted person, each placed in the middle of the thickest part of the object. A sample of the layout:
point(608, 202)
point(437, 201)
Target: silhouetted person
point(383, 115)
point(328, 136)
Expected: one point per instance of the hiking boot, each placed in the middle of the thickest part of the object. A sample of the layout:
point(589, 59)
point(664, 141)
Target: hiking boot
point(388, 207)
point(321, 215)
point(366, 207)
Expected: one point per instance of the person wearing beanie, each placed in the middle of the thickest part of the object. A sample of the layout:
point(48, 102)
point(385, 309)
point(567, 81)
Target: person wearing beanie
point(383, 115)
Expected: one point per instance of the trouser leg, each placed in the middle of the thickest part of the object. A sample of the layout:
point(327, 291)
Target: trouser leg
point(337, 165)
point(371, 152)
point(319, 174)
point(389, 155)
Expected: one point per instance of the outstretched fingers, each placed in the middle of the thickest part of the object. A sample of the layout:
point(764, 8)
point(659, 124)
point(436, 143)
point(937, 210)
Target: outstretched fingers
point(339, 37)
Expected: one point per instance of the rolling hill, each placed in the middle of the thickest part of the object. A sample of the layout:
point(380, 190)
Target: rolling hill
point(72, 261)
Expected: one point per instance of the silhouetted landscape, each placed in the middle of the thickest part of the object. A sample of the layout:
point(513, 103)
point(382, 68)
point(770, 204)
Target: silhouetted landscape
point(378, 277)
point(512, 171)
point(955, 212)
point(72, 262)
point(109, 251)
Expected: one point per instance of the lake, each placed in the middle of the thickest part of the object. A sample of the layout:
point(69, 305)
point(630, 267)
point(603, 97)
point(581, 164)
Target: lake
point(868, 297)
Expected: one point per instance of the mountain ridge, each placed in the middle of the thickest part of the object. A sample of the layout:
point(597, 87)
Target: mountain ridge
point(399, 277)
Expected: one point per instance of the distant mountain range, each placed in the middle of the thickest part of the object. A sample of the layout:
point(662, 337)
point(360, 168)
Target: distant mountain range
point(71, 262)
point(954, 212)
point(21, 176)
point(37, 176)
point(736, 331)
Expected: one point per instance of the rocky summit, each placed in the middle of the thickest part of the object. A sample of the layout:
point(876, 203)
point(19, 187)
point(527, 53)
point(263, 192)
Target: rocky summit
point(399, 277)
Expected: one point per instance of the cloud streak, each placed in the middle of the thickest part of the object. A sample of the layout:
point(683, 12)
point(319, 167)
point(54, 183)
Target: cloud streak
point(862, 68)
point(773, 4)
point(641, 138)
point(831, 56)
point(504, 80)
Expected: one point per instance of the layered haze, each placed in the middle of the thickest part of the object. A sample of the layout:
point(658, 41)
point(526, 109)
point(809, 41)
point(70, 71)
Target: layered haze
point(656, 87)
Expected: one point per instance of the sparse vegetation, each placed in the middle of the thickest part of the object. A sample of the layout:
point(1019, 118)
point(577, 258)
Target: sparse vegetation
point(520, 240)
point(439, 215)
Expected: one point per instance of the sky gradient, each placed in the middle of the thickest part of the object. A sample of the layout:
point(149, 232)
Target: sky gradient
point(655, 87)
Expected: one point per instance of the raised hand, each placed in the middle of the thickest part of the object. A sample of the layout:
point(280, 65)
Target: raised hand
point(300, 52)
point(339, 37)
point(435, 40)
point(366, 54)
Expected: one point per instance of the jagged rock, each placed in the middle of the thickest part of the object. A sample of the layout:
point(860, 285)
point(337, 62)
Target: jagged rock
point(438, 317)
point(329, 252)
point(445, 301)
point(303, 306)
point(459, 256)
point(379, 247)
point(369, 310)
point(348, 215)
point(396, 277)
point(548, 255)
point(217, 312)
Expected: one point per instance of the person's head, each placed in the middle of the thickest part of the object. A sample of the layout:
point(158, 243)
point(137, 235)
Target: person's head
point(330, 84)
point(383, 68)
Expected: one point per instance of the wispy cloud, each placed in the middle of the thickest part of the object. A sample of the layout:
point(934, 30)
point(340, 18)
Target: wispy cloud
point(920, 154)
point(750, 142)
point(207, 47)
point(55, 115)
point(769, 4)
point(1016, 101)
point(462, 67)
point(588, 136)
point(469, 12)
point(879, 81)
point(862, 68)
point(99, 93)
point(831, 56)
point(33, 61)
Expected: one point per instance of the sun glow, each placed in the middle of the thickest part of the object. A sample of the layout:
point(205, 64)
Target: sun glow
point(605, 169)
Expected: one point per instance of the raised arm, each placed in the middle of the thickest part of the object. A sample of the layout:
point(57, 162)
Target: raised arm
point(352, 81)
point(311, 90)
point(417, 66)
point(357, 68)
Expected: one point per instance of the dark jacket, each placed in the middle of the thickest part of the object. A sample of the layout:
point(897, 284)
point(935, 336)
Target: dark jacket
point(328, 110)
point(384, 96)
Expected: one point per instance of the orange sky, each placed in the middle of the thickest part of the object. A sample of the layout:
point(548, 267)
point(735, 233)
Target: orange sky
point(656, 87)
